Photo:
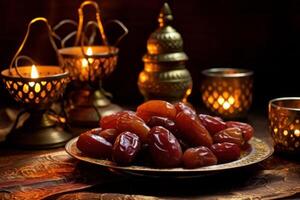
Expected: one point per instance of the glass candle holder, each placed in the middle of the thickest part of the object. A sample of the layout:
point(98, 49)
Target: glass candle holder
point(284, 124)
point(227, 92)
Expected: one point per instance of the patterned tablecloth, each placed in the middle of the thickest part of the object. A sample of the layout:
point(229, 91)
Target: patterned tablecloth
point(37, 175)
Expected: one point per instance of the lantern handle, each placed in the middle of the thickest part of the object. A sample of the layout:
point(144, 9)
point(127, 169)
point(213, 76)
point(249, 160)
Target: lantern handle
point(91, 39)
point(51, 34)
point(122, 26)
point(94, 24)
point(67, 37)
point(98, 19)
point(23, 57)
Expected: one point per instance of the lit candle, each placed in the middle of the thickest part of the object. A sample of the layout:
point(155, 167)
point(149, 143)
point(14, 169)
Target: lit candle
point(226, 91)
point(284, 124)
point(85, 63)
point(34, 74)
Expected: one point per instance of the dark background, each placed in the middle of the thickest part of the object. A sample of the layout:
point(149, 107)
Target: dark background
point(262, 35)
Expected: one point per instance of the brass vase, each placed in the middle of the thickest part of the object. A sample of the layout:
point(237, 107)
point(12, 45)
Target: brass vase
point(165, 76)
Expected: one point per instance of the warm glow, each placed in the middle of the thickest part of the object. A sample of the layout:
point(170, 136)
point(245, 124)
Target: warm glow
point(85, 62)
point(297, 132)
point(226, 105)
point(34, 74)
point(210, 99)
point(231, 100)
point(221, 100)
point(89, 51)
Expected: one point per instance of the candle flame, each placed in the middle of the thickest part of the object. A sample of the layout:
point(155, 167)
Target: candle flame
point(85, 62)
point(226, 104)
point(89, 51)
point(34, 72)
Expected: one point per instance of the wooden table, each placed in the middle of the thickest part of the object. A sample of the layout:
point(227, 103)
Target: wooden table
point(52, 174)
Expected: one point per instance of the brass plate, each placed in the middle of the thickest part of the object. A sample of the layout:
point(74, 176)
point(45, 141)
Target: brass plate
point(258, 152)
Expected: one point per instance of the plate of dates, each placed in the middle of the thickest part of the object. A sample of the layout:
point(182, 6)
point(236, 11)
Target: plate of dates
point(162, 139)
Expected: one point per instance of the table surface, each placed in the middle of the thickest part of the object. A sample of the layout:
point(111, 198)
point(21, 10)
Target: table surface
point(53, 174)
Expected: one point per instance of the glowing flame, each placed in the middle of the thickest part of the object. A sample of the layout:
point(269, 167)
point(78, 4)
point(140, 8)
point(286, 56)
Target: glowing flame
point(85, 62)
point(34, 72)
point(89, 51)
point(226, 104)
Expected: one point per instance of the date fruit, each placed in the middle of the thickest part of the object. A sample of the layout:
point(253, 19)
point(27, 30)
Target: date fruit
point(132, 123)
point(191, 129)
point(164, 122)
point(164, 148)
point(156, 108)
point(126, 147)
point(226, 151)
point(180, 106)
point(247, 129)
point(198, 157)
point(109, 134)
point(233, 135)
point(212, 124)
point(110, 121)
point(94, 145)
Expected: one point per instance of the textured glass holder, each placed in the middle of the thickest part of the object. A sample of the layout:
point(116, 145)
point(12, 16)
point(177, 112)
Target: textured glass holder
point(227, 92)
point(284, 124)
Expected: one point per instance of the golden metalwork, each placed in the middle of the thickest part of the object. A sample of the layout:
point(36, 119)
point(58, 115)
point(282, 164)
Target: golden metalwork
point(42, 91)
point(258, 152)
point(284, 124)
point(88, 65)
point(227, 92)
point(164, 75)
point(41, 129)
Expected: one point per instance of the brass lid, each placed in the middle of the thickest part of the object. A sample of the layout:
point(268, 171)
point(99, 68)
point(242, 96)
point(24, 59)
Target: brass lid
point(165, 43)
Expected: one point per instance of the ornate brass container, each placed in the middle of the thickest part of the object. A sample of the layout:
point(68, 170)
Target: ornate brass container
point(164, 75)
point(284, 124)
point(36, 87)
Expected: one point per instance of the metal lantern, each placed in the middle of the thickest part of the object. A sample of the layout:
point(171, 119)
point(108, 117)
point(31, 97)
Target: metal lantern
point(36, 87)
point(88, 64)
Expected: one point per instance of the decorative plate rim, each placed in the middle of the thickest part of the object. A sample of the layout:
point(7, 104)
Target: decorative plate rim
point(258, 152)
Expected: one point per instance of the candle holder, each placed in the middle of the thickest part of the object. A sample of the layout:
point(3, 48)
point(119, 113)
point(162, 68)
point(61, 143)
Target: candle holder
point(227, 92)
point(284, 124)
point(36, 87)
point(88, 65)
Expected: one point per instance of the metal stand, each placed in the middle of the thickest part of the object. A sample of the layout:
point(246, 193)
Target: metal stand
point(88, 106)
point(40, 131)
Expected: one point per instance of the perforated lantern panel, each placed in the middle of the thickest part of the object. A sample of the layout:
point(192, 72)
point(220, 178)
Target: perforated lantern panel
point(40, 91)
point(227, 97)
point(284, 125)
point(102, 62)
